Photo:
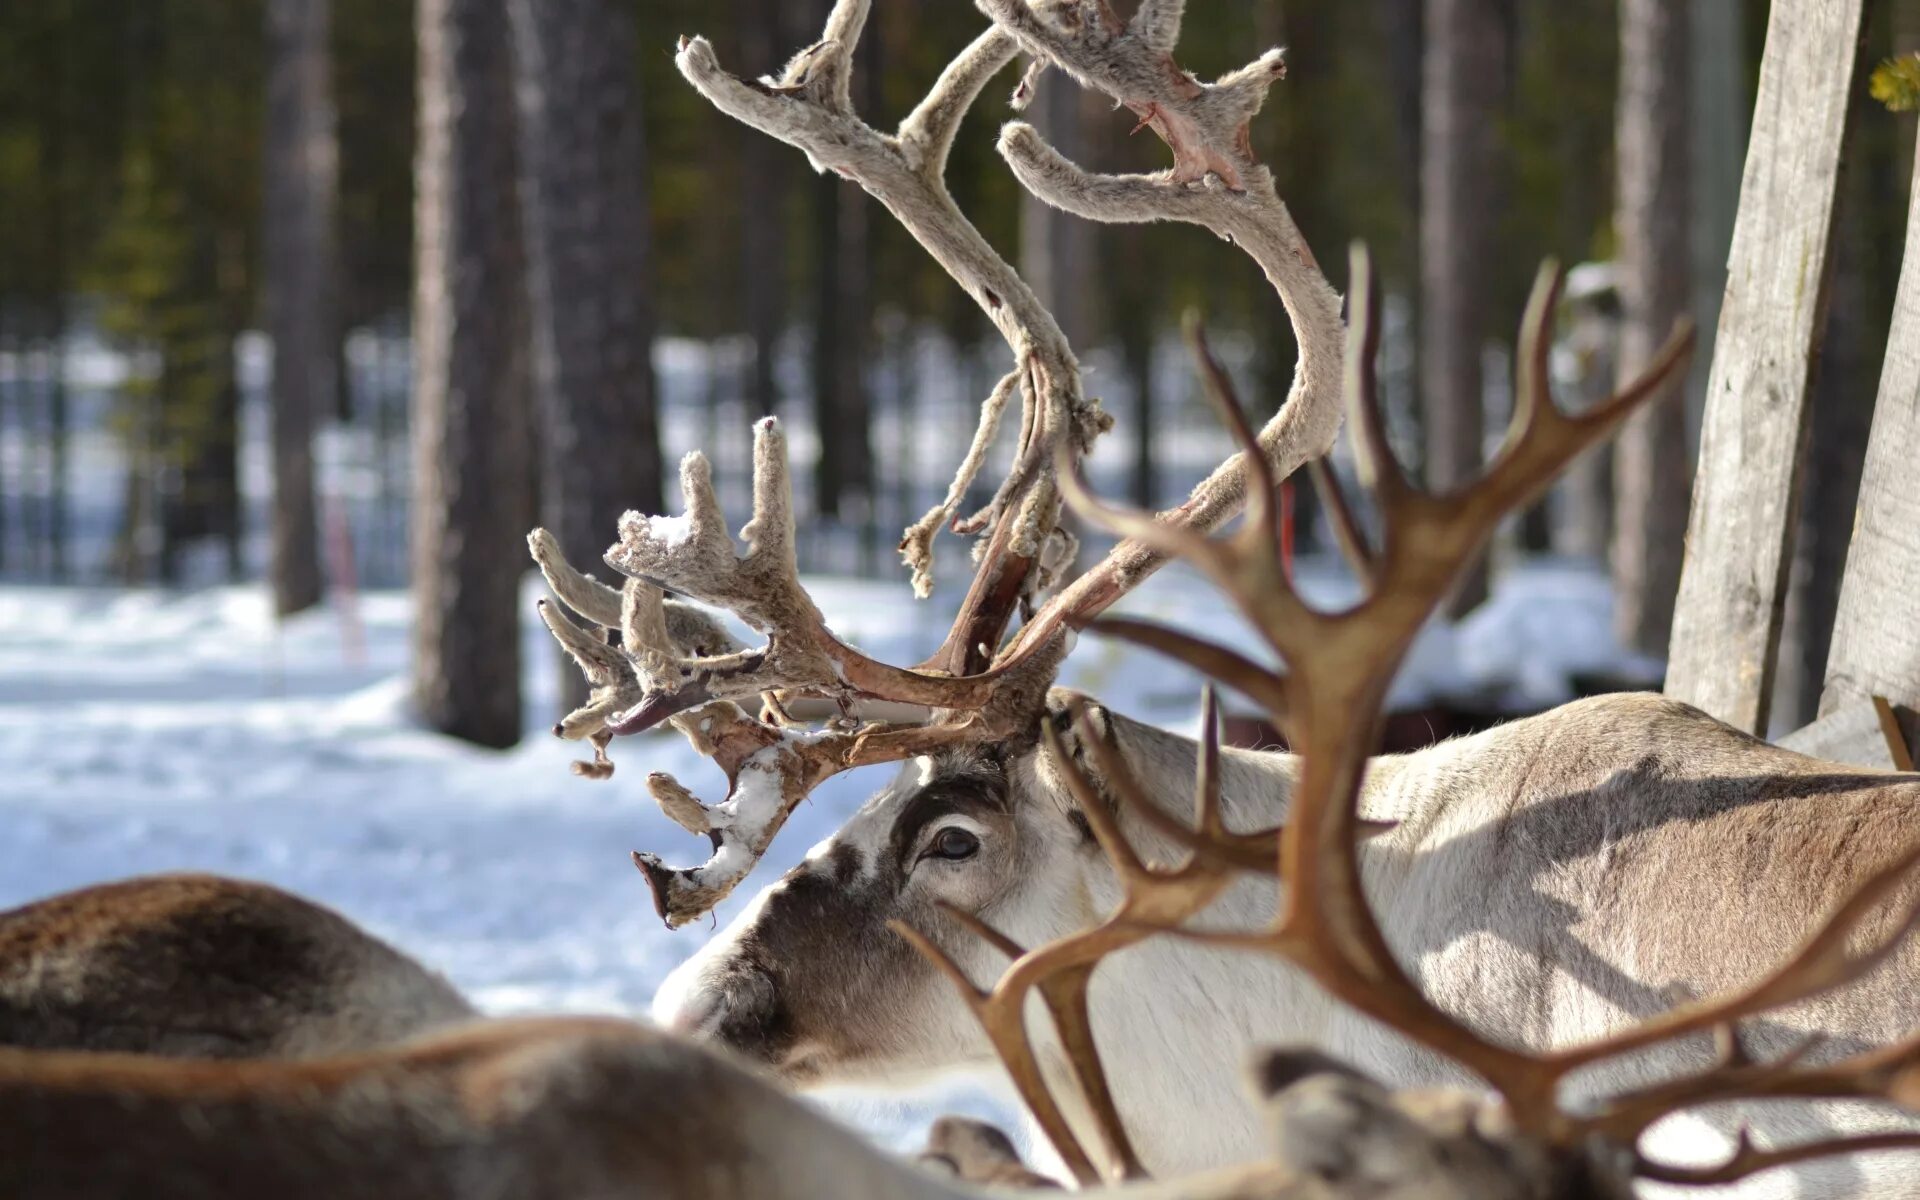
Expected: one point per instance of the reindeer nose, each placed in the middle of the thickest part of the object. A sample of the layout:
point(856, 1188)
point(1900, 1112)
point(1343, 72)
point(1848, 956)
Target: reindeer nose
point(684, 1004)
point(738, 1008)
point(690, 1017)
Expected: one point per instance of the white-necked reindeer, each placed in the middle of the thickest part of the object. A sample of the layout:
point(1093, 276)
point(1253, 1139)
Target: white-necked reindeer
point(1553, 880)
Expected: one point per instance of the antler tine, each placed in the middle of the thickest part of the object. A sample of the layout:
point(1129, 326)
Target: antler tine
point(1262, 512)
point(1106, 829)
point(1209, 839)
point(1155, 900)
point(1747, 1159)
point(1346, 530)
point(1533, 376)
point(1208, 818)
point(1005, 1026)
point(916, 547)
point(1211, 659)
point(582, 593)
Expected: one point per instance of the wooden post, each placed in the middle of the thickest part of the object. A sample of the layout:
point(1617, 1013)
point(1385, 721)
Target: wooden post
point(1876, 632)
point(1733, 585)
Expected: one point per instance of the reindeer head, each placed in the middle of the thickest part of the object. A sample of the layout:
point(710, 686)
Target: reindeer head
point(812, 979)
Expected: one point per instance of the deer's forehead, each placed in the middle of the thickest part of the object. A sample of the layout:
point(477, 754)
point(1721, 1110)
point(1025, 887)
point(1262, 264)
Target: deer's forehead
point(924, 790)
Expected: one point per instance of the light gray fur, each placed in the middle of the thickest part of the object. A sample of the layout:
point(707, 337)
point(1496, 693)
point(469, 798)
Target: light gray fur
point(1550, 881)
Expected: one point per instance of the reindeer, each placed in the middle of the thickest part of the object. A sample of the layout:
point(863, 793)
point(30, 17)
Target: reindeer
point(591, 1108)
point(1549, 883)
point(199, 966)
point(566, 1108)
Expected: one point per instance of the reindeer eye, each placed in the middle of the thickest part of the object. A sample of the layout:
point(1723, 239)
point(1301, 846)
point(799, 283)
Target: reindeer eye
point(954, 843)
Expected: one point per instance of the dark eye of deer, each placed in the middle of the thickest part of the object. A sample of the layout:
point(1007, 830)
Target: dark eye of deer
point(953, 843)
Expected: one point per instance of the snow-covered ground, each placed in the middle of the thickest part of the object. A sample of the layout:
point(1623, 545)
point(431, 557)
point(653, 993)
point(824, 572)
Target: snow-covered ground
point(148, 731)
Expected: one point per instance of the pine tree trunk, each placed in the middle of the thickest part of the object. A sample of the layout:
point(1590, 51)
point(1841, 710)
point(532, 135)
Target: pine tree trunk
point(764, 169)
point(59, 433)
point(1652, 471)
point(843, 320)
point(842, 331)
point(1138, 350)
point(1055, 248)
point(1461, 82)
point(301, 160)
point(589, 263)
point(470, 426)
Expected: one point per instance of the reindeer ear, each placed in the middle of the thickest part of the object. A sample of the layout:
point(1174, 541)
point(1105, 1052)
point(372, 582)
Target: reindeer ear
point(976, 1152)
point(1330, 1121)
point(1064, 712)
point(1276, 1069)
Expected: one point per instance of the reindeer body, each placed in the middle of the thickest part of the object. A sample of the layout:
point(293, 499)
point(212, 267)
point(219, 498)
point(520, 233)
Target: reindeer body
point(571, 1109)
point(203, 966)
point(600, 1109)
point(1550, 881)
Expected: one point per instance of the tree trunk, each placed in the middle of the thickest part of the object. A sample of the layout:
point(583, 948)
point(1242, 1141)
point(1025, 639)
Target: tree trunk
point(1138, 348)
point(302, 177)
point(1583, 500)
point(842, 332)
point(58, 457)
point(1720, 113)
point(843, 321)
point(763, 167)
point(589, 264)
point(1461, 83)
point(1403, 34)
point(1055, 247)
point(1832, 509)
point(1652, 473)
point(470, 426)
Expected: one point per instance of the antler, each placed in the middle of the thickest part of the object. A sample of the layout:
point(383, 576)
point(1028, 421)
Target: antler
point(1216, 183)
point(1339, 667)
point(977, 688)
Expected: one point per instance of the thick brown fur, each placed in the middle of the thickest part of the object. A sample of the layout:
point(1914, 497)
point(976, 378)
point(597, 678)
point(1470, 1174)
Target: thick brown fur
point(209, 967)
point(597, 1109)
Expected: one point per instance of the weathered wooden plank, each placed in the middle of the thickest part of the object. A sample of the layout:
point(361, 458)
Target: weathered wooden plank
point(1876, 630)
point(1733, 585)
point(1861, 733)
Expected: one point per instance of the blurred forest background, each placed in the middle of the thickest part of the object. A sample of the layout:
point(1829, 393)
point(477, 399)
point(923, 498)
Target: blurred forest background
point(339, 294)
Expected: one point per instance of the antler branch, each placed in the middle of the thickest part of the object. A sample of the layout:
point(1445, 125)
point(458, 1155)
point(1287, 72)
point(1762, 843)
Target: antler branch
point(807, 108)
point(1215, 182)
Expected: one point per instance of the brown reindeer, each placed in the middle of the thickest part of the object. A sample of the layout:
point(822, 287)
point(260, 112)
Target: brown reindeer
point(200, 966)
point(599, 1109)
